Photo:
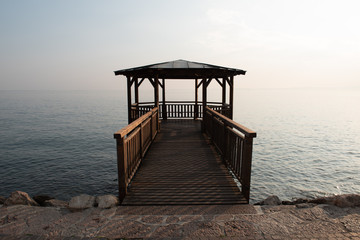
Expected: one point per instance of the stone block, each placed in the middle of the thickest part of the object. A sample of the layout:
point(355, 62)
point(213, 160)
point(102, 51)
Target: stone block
point(107, 201)
point(82, 201)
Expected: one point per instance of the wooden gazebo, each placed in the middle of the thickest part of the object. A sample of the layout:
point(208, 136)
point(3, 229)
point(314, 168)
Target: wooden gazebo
point(232, 141)
point(201, 73)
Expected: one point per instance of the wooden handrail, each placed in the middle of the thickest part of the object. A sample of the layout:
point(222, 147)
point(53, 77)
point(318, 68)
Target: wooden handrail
point(246, 131)
point(124, 131)
point(132, 142)
point(234, 143)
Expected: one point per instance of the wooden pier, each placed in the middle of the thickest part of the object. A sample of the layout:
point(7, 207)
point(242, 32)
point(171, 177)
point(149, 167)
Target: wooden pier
point(183, 153)
point(182, 167)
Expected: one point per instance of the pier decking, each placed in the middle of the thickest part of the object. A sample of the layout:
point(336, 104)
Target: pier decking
point(182, 168)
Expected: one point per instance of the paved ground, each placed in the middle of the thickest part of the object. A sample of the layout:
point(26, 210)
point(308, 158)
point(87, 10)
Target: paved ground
point(182, 222)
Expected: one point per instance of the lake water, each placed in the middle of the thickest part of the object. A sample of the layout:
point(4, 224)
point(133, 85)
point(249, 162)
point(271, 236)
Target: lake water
point(61, 143)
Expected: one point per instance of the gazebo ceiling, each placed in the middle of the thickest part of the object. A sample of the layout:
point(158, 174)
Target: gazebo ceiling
point(180, 69)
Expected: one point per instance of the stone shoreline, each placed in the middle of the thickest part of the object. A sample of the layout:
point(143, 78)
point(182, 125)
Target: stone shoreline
point(336, 217)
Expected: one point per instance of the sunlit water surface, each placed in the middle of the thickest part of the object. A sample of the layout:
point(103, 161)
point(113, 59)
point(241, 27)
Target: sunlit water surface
point(61, 143)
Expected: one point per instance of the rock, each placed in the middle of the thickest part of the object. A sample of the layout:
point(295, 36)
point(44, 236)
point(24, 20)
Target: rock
point(2, 200)
point(304, 205)
point(82, 201)
point(55, 203)
point(346, 200)
point(20, 198)
point(297, 201)
point(271, 200)
point(107, 201)
point(40, 199)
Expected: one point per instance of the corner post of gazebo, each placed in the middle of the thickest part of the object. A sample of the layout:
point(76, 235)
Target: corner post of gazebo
point(129, 98)
point(196, 107)
point(136, 81)
point(156, 100)
point(164, 112)
point(204, 101)
point(223, 102)
point(231, 96)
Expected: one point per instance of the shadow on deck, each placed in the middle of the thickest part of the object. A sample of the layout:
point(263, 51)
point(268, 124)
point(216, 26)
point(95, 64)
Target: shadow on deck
point(182, 168)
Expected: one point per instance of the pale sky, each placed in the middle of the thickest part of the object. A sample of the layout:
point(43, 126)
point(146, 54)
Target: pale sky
point(77, 44)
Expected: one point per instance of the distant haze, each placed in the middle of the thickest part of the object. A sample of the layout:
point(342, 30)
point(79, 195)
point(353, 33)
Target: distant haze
point(76, 45)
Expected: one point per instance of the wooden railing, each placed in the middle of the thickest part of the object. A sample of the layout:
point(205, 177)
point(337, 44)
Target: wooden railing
point(178, 109)
point(234, 143)
point(132, 143)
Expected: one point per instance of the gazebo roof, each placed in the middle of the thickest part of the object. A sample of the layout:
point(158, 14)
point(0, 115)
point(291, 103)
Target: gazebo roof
point(180, 69)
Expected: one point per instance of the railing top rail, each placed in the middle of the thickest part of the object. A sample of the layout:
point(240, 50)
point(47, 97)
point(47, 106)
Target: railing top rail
point(124, 131)
point(246, 131)
point(180, 102)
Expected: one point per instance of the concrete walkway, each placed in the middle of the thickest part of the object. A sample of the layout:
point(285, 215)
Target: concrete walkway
point(303, 221)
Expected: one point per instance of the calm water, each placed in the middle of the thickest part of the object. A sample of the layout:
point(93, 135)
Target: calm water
point(61, 143)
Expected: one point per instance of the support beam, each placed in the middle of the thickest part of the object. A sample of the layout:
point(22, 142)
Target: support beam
point(156, 92)
point(141, 81)
point(129, 98)
point(198, 85)
point(221, 84)
point(152, 82)
point(156, 83)
point(136, 89)
point(196, 107)
point(224, 92)
point(231, 97)
point(204, 101)
point(164, 112)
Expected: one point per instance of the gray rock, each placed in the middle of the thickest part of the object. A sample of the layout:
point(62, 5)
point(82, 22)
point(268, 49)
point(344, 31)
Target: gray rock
point(56, 203)
point(107, 201)
point(82, 201)
point(2, 200)
point(271, 200)
point(20, 198)
point(345, 200)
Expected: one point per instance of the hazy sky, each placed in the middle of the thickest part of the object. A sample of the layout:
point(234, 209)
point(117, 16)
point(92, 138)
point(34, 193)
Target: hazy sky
point(75, 45)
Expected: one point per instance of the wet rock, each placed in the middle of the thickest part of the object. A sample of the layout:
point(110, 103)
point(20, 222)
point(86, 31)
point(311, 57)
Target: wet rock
point(346, 200)
point(20, 198)
point(2, 200)
point(82, 201)
point(297, 201)
point(56, 203)
point(40, 199)
point(107, 201)
point(271, 200)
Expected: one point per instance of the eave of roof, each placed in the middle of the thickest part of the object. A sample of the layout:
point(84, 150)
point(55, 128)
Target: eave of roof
point(180, 69)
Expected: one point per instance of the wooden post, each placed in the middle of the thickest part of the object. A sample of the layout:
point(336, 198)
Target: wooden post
point(137, 97)
point(122, 168)
point(223, 96)
point(157, 101)
point(164, 112)
point(204, 102)
point(231, 97)
point(196, 108)
point(246, 167)
point(129, 98)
